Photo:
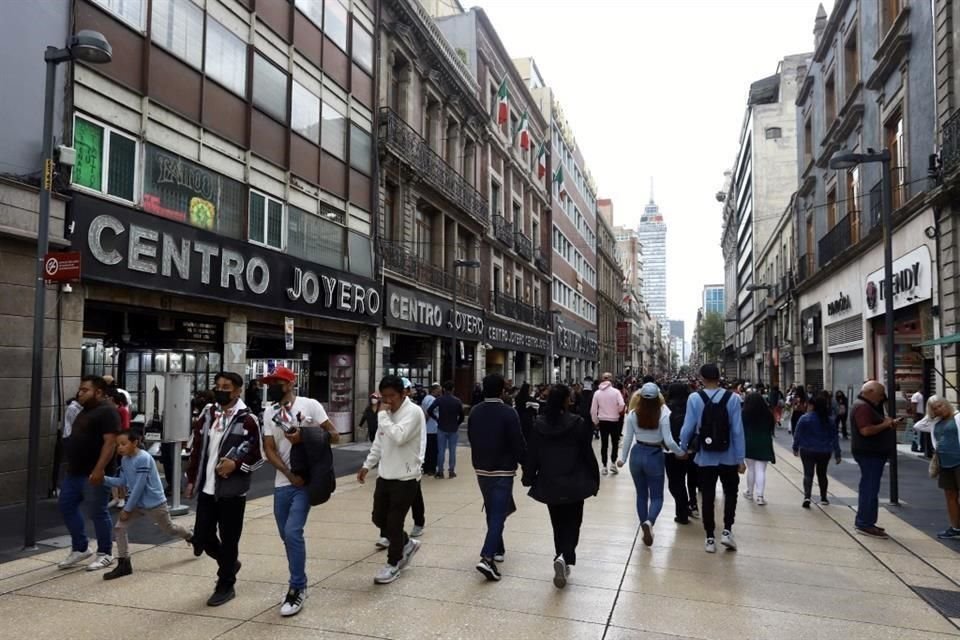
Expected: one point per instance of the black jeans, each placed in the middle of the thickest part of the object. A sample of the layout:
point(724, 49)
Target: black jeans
point(813, 460)
point(419, 509)
point(729, 476)
point(682, 482)
point(391, 501)
point(430, 456)
point(842, 423)
point(217, 531)
point(609, 432)
point(566, 520)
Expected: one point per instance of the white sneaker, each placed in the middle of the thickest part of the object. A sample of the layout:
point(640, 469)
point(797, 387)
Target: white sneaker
point(748, 495)
point(103, 561)
point(614, 470)
point(387, 574)
point(293, 603)
point(416, 532)
point(761, 501)
point(647, 533)
point(382, 543)
point(75, 558)
point(603, 471)
point(559, 572)
point(727, 540)
point(121, 503)
point(498, 557)
point(408, 552)
point(710, 546)
point(113, 504)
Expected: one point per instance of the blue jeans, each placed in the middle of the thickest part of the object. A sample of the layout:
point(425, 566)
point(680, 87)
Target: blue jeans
point(868, 501)
point(447, 440)
point(497, 501)
point(647, 469)
point(74, 490)
point(291, 506)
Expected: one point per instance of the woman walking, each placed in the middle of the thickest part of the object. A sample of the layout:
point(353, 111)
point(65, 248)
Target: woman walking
point(798, 406)
point(759, 426)
point(645, 433)
point(528, 408)
point(814, 440)
point(562, 471)
point(941, 423)
point(842, 405)
point(681, 472)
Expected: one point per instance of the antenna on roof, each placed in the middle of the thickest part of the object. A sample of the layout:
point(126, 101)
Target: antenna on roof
point(651, 189)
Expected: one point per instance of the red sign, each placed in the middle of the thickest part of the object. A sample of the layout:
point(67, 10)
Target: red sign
point(62, 266)
point(623, 337)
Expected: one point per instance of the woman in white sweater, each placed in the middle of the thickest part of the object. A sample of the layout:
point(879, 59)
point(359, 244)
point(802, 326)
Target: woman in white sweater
point(646, 431)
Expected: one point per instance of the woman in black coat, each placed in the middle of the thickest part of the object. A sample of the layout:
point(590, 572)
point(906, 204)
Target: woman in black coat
point(528, 408)
point(562, 471)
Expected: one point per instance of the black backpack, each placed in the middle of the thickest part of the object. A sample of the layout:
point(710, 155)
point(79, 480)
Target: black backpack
point(714, 432)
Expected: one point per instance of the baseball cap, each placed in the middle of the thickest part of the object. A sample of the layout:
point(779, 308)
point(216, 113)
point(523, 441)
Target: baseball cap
point(280, 374)
point(710, 372)
point(406, 383)
point(650, 390)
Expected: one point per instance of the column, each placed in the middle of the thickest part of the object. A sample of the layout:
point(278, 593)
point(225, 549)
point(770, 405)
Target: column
point(527, 377)
point(363, 380)
point(235, 343)
point(479, 363)
point(563, 369)
point(509, 366)
point(382, 337)
point(439, 374)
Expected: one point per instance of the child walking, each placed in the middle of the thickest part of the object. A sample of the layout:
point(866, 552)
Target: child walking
point(145, 497)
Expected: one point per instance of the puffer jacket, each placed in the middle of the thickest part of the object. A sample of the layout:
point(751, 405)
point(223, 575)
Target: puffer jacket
point(560, 467)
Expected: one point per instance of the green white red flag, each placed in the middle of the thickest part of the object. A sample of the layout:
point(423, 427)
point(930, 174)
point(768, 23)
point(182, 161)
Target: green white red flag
point(542, 160)
point(561, 187)
point(503, 103)
point(524, 131)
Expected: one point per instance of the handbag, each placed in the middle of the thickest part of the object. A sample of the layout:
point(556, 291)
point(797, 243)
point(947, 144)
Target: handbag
point(934, 469)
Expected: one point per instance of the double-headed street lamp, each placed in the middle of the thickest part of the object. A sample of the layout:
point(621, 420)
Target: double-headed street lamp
point(457, 265)
point(847, 160)
point(93, 48)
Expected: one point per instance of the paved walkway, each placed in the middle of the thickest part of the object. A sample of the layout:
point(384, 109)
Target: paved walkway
point(798, 574)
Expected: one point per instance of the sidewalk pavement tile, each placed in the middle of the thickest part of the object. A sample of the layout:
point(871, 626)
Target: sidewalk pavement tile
point(261, 630)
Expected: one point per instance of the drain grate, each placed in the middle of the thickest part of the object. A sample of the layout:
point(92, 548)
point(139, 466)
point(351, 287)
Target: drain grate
point(946, 601)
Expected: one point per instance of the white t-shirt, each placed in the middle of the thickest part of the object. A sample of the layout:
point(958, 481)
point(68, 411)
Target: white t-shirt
point(213, 450)
point(305, 412)
point(917, 400)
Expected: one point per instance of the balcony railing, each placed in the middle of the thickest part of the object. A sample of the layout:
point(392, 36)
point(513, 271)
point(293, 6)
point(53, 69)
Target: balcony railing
point(397, 136)
point(523, 244)
point(510, 307)
point(950, 152)
point(400, 259)
point(542, 260)
point(502, 230)
point(836, 241)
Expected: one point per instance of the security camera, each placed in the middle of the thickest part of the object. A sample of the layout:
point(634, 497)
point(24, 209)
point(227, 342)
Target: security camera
point(487, 346)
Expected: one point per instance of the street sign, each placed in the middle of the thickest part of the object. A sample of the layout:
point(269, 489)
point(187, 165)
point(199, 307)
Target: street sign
point(61, 266)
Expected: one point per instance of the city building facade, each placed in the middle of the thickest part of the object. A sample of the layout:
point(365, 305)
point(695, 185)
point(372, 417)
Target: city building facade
point(712, 299)
point(612, 328)
point(652, 232)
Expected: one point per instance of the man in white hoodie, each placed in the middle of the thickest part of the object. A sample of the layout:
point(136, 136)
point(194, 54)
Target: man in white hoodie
point(606, 409)
point(399, 450)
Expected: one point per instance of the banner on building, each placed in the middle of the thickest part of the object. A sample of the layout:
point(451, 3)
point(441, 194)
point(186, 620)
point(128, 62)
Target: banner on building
point(623, 337)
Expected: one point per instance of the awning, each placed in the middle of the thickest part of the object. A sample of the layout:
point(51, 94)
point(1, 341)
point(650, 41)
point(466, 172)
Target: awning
point(952, 339)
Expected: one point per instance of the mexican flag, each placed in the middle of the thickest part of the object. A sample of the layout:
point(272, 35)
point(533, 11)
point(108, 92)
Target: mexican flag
point(524, 131)
point(542, 160)
point(503, 103)
point(558, 178)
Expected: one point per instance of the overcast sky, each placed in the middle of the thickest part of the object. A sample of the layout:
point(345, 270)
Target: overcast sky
point(658, 88)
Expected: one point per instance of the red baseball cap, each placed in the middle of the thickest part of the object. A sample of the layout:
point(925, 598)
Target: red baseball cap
point(280, 374)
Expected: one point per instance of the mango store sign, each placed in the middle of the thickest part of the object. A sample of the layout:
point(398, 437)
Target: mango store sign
point(912, 283)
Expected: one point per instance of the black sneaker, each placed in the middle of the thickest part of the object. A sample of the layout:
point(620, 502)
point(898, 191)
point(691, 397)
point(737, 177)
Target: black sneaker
point(293, 603)
point(489, 569)
point(123, 568)
point(806, 503)
point(197, 547)
point(222, 595)
point(694, 511)
point(439, 475)
point(682, 520)
point(453, 475)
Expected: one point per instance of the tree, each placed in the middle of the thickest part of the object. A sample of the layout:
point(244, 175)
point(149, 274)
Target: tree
point(711, 336)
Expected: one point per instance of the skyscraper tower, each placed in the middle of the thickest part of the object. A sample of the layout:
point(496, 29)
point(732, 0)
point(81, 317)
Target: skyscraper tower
point(652, 231)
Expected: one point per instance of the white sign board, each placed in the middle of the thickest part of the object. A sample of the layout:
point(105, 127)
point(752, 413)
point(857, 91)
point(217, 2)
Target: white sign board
point(912, 283)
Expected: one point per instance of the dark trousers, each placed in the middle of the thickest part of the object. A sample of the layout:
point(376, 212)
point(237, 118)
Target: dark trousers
point(609, 432)
point(729, 477)
point(682, 482)
point(842, 423)
point(566, 520)
point(868, 494)
point(392, 500)
point(430, 456)
point(166, 459)
point(498, 503)
point(217, 531)
point(814, 461)
point(419, 509)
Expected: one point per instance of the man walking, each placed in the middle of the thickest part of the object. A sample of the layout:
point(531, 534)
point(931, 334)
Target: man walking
point(713, 415)
point(89, 453)
point(398, 449)
point(285, 416)
point(449, 419)
point(227, 446)
point(606, 407)
point(874, 440)
point(496, 445)
point(431, 412)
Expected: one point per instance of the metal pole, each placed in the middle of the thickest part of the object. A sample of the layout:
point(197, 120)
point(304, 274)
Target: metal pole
point(453, 333)
point(39, 305)
point(176, 508)
point(886, 214)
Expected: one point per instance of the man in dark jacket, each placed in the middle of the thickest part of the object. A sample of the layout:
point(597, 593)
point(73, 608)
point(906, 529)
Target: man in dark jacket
point(227, 450)
point(496, 445)
point(449, 418)
point(874, 440)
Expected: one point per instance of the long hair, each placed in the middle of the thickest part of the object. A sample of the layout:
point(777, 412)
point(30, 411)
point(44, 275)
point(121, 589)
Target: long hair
point(677, 394)
point(755, 409)
point(557, 402)
point(938, 400)
point(648, 412)
point(523, 396)
point(820, 403)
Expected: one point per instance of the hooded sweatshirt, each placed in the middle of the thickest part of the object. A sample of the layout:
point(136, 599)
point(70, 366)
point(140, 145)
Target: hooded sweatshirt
point(560, 467)
point(607, 403)
point(397, 447)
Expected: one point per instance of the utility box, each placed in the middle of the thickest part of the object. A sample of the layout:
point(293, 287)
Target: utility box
point(168, 411)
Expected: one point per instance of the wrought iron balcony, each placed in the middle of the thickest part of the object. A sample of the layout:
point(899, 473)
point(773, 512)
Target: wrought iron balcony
point(542, 318)
point(400, 259)
point(398, 137)
point(502, 230)
point(542, 260)
point(510, 307)
point(523, 244)
point(950, 152)
point(836, 241)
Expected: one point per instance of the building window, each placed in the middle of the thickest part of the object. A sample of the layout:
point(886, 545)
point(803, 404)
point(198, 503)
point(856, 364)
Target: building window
point(305, 114)
point(335, 22)
point(360, 149)
point(106, 159)
point(316, 238)
point(389, 212)
point(269, 88)
point(807, 142)
point(313, 9)
point(423, 236)
point(177, 26)
point(362, 47)
point(893, 135)
point(889, 11)
point(333, 134)
point(495, 199)
point(831, 208)
point(265, 224)
point(226, 57)
point(830, 100)
point(360, 254)
point(130, 11)
point(851, 62)
point(773, 133)
point(517, 216)
point(853, 203)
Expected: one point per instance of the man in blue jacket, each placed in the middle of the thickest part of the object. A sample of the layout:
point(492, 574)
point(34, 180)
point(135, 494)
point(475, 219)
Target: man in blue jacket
point(726, 465)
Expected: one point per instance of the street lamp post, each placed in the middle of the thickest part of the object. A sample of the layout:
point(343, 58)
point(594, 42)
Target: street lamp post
point(93, 48)
point(848, 160)
point(457, 264)
point(557, 320)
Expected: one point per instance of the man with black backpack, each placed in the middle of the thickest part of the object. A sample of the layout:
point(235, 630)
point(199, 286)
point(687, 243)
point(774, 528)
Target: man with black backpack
point(713, 420)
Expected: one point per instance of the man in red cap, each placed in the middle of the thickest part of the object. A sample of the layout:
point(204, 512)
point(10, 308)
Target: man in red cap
point(285, 415)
